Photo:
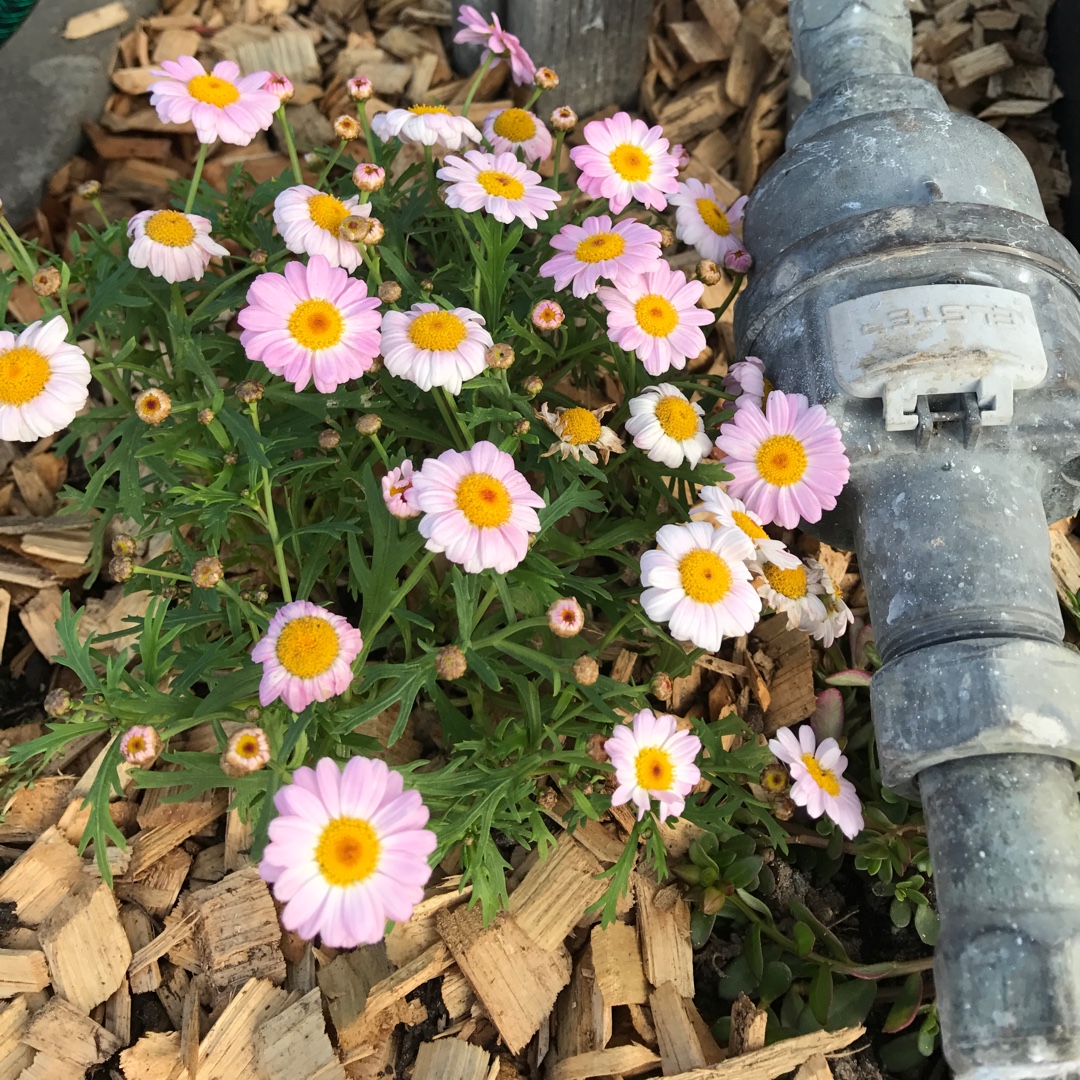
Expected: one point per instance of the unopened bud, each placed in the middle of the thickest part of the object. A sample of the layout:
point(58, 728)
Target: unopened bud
point(153, 406)
point(499, 357)
point(252, 714)
point(783, 808)
point(258, 257)
point(662, 686)
point(389, 292)
point(586, 670)
point(738, 261)
point(57, 702)
point(247, 751)
point(708, 272)
point(712, 900)
point(369, 424)
point(547, 315)
point(565, 617)
point(354, 228)
point(545, 78)
point(120, 568)
point(206, 417)
point(312, 160)
point(774, 778)
point(347, 127)
point(375, 233)
point(140, 745)
point(667, 236)
point(427, 284)
point(521, 427)
point(280, 86)
point(450, 663)
point(123, 544)
point(249, 391)
point(89, 189)
point(360, 88)
point(368, 177)
point(547, 798)
point(533, 385)
point(564, 119)
point(679, 153)
point(230, 457)
point(46, 281)
point(594, 747)
point(207, 572)
point(329, 438)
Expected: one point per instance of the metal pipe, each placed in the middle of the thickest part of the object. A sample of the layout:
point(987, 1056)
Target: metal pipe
point(908, 281)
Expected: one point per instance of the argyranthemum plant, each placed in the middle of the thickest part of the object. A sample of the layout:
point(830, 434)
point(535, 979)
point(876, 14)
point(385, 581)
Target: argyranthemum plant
point(419, 438)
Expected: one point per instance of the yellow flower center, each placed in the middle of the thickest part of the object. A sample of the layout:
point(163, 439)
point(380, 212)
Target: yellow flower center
point(515, 124)
point(714, 217)
point(500, 183)
point(23, 375)
point(348, 851)
point(749, 525)
point(316, 324)
point(171, 228)
point(654, 768)
point(307, 646)
point(781, 460)
point(789, 583)
point(656, 315)
point(483, 500)
point(705, 577)
point(247, 746)
point(395, 490)
point(601, 246)
point(136, 745)
point(211, 90)
point(437, 331)
point(824, 778)
point(327, 212)
point(149, 406)
point(579, 426)
point(631, 162)
point(427, 110)
point(677, 418)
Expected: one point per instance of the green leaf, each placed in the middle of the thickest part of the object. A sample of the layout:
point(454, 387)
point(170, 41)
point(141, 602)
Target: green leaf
point(775, 980)
point(927, 924)
point(900, 913)
point(851, 677)
point(100, 827)
point(852, 1000)
point(821, 932)
point(906, 1006)
point(701, 927)
point(752, 951)
point(821, 993)
point(804, 939)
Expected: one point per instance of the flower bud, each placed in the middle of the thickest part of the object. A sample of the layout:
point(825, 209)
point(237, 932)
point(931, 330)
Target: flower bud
point(499, 357)
point(783, 808)
point(662, 686)
point(774, 778)
point(667, 236)
point(46, 281)
point(354, 228)
point(89, 189)
point(368, 177)
point(230, 457)
point(206, 417)
point(360, 88)
point(247, 751)
point(738, 261)
point(258, 257)
point(594, 747)
point(545, 78)
point(547, 315)
point(564, 119)
point(153, 406)
point(140, 745)
point(329, 438)
point(547, 798)
point(708, 272)
point(565, 617)
point(586, 670)
point(521, 427)
point(679, 153)
point(57, 702)
point(252, 714)
point(450, 663)
point(389, 292)
point(249, 391)
point(123, 544)
point(427, 284)
point(369, 424)
point(347, 127)
point(207, 572)
point(712, 900)
point(280, 86)
point(533, 385)
point(375, 233)
point(260, 595)
point(312, 160)
point(121, 568)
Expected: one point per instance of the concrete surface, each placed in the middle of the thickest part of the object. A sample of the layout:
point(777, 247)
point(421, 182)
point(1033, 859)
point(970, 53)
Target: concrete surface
point(49, 86)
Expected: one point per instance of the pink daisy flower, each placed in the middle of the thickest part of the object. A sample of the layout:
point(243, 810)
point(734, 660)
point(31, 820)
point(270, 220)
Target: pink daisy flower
point(653, 760)
point(697, 581)
point(705, 223)
point(430, 346)
point(43, 381)
point(477, 508)
point(312, 324)
point(396, 488)
point(140, 745)
point(306, 654)
point(478, 31)
point(280, 86)
point(565, 617)
point(817, 772)
point(786, 462)
point(425, 124)
point(547, 315)
point(625, 159)
point(499, 184)
point(508, 130)
point(656, 315)
point(596, 249)
point(348, 851)
point(173, 246)
point(747, 382)
point(309, 222)
point(738, 261)
point(221, 104)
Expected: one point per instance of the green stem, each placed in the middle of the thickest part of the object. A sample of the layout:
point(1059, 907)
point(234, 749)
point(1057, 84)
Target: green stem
point(433, 180)
point(481, 71)
point(331, 163)
point(500, 635)
point(560, 136)
point(200, 161)
point(290, 144)
point(381, 449)
point(152, 572)
point(452, 405)
point(373, 145)
point(369, 635)
point(452, 429)
point(96, 203)
point(533, 98)
point(372, 262)
point(219, 289)
point(736, 283)
point(12, 243)
point(245, 607)
point(271, 515)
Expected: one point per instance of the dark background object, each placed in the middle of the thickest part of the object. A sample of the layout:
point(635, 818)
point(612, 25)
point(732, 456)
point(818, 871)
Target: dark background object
point(1063, 52)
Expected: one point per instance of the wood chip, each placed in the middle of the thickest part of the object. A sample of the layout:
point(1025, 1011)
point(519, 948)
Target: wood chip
point(158, 890)
point(155, 842)
point(777, 1059)
point(32, 810)
point(61, 1030)
point(451, 1058)
point(814, 1068)
point(700, 41)
point(980, 64)
point(407, 940)
point(616, 1060)
point(290, 52)
point(22, 971)
point(156, 1056)
point(747, 1027)
point(1064, 563)
point(294, 1045)
point(228, 1051)
point(791, 691)
point(679, 1045)
point(39, 617)
point(40, 880)
point(106, 17)
point(665, 938)
point(748, 54)
point(620, 976)
point(15, 1055)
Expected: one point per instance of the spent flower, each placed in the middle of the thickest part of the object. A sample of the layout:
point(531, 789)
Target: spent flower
point(581, 434)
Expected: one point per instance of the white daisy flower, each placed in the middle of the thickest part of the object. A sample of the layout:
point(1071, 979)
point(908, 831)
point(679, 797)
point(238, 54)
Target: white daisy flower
point(171, 245)
point(704, 222)
point(433, 347)
point(796, 592)
point(817, 772)
point(309, 221)
point(699, 584)
point(733, 513)
point(838, 616)
point(426, 124)
point(668, 427)
point(43, 381)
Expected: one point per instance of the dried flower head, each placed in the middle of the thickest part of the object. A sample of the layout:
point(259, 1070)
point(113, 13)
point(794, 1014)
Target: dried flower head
point(783, 808)
point(521, 427)
point(329, 438)
point(663, 686)
point(547, 315)
point(581, 434)
point(123, 544)
point(586, 670)
point(375, 233)
point(230, 457)
point(594, 747)
point(280, 86)
point(247, 751)
point(347, 127)
point(564, 119)
point(533, 385)
point(667, 236)
point(249, 391)
point(205, 417)
point(545, 78)
point(354, 229)
point(709, 272)
point(775, 779)
point(565, 617)
point(140, 745)
point(368, 177)
point(46, 281)
point(207, 572)
point(57, 702)
point(360, 88)
point(450, 663)
point(369, 424)
point(252, 714)
point(121, 568)
point(153, 405)
point(389, 292)
point(499, 357)
point(89, 189)
point(258, 256)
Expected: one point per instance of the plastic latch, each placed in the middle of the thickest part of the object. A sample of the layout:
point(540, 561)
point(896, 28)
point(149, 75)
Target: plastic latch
point(902, 344)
